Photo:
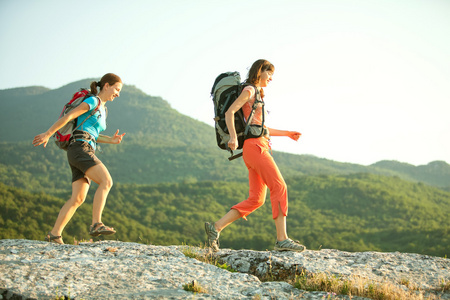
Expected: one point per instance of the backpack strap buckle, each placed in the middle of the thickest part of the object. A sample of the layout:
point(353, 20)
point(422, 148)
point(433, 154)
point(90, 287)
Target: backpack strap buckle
point(79, 134)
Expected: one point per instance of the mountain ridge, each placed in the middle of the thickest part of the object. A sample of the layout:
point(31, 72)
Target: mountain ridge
point(161, 137)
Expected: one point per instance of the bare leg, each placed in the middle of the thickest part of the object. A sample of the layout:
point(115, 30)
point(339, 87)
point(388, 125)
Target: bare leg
point(100, 175)
point(280, 224)
point(283, 243)
point(79, 192)
point(233, 215)
point(227, 219)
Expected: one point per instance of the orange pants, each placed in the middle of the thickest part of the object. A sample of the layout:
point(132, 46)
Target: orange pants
point(262, 173)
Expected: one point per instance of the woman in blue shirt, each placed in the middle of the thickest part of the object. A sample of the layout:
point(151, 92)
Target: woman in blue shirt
point(84, 164)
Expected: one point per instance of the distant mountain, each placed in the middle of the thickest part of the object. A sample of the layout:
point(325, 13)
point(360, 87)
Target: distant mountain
point(28, 111)
point(437, 172)
point(161, 145)
point(23, 92)
point(169, 176)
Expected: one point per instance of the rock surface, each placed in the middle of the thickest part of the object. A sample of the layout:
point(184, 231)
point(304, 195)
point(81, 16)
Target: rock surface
point(119, 270)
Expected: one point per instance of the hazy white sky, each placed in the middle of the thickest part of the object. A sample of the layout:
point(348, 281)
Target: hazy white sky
point(362, 80)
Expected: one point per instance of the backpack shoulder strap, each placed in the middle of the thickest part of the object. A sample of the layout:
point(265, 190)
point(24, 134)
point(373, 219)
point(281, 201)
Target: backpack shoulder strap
point(254, 106)
point(93, 111)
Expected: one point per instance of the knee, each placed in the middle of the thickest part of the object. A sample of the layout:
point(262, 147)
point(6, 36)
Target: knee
point(107, 183)
point(283, 186)
point(284, 189)
point(258, 202)
point(257, 197)
point(280, 189)
point(78, 200)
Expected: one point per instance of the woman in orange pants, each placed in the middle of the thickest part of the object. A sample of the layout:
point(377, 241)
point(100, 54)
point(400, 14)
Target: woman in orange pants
point(262, 169)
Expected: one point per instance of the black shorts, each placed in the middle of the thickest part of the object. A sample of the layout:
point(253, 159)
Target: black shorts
point(81, 157)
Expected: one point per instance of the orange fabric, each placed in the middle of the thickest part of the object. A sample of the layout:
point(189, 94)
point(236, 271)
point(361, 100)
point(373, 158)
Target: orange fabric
point(247, 107)
point(262, 173)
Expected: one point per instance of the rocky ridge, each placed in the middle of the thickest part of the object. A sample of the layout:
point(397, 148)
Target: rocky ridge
point(119, 270)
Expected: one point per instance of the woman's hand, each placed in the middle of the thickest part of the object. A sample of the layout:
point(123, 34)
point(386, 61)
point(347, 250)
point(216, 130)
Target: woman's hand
point(41, 139)
point(117, 139)
point(294, 135)
point(233, 143)
point(44, 137)
point(229, 118)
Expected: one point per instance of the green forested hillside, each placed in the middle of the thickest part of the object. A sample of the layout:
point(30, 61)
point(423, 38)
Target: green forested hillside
point(356, 212)
point(38, 168)
point(26, 215)
point(170, 177)
point(161, 144)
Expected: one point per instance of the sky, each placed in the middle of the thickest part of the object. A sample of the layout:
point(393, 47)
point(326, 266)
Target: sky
point(362, 80)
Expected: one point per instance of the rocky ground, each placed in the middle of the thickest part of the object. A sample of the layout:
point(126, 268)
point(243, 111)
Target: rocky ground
point(119, 270)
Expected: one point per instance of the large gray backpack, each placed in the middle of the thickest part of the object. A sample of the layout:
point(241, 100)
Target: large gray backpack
point(226, 89)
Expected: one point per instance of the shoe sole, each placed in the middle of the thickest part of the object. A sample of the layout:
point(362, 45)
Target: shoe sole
point(54, 241)
point(107, 233)
point(50, 240)
point(289, 249)
point(101, 233)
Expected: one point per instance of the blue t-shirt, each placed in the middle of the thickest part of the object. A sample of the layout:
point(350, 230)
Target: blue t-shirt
point(96, 123)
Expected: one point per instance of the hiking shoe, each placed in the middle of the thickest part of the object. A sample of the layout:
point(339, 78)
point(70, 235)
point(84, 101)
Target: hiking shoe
point(57, 239)
point(100, 228)
point(213, 236)
point(289, 245)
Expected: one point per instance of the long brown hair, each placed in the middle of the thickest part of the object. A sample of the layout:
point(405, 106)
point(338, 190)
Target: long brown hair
point(109, 78)
point(254, 74)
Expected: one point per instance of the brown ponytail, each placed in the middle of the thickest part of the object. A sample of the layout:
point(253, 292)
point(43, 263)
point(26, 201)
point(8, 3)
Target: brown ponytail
point(94, 87)
point(109, 78)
